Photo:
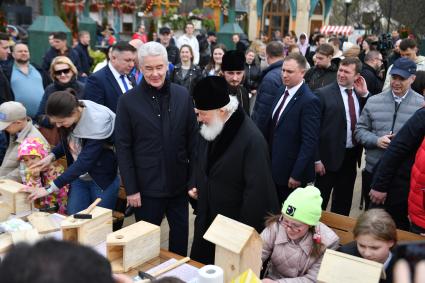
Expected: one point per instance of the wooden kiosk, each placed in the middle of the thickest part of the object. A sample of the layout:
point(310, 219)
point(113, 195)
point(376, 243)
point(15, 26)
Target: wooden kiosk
point(237, 247)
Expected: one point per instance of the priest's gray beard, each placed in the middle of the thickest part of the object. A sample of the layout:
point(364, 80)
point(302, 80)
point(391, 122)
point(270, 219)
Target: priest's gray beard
point(211, 131)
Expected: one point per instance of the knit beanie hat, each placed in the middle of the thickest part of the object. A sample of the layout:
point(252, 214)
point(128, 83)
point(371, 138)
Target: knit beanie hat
point(304, 205)
point(32, 146)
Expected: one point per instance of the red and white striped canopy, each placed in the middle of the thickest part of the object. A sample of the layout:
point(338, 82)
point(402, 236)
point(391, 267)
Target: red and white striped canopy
point(345, 30)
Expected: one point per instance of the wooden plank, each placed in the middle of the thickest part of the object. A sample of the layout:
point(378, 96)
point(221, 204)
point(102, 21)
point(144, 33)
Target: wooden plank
point(27, 236)
point(5, 211)
point(337, 267)
point(343, 226)
point(164, 255)
point(71, 222)
point(5, 242)
point(43, 223)
point(408, 236)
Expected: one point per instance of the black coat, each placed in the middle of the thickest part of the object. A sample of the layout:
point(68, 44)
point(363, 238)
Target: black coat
point(351, 249)
point(6, 93)
point(373, 81)
point(41, 118)
point(318, 77)
point(233, 179)
point(252, 76)
point(156, 137)
point(267, 91)
point(193, 76)
point(53, 53)
point(173, 54)
point(85, 60)
point(242, 95)
point(333, 128)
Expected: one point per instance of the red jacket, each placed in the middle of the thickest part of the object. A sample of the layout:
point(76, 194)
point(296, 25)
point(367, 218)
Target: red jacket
point(417, 188)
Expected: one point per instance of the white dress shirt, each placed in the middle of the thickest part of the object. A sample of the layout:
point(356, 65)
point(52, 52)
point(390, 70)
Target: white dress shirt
point(117, 77)
point(292, 92)
point(344, 95)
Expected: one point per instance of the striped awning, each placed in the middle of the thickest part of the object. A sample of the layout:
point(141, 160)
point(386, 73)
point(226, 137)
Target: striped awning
point(345, 30)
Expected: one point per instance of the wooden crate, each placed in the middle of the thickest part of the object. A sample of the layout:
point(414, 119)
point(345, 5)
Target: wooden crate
point(89, 232)
point(133, 245)
point(18, 201)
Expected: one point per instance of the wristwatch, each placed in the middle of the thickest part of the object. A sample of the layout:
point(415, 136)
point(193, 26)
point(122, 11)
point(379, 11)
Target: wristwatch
point(49, 189)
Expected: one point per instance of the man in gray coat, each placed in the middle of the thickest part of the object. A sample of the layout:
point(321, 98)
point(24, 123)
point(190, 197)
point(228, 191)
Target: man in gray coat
point(382, 117)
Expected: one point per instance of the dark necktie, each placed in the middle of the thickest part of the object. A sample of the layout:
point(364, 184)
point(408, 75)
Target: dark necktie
point(275, 117)
point(352, 111)
point(124, 82)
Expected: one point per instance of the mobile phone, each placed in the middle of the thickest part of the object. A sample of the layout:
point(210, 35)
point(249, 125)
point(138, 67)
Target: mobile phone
point(412, 252)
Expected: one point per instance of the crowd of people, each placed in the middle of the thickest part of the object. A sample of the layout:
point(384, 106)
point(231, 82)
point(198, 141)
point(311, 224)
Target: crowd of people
point(268, 129)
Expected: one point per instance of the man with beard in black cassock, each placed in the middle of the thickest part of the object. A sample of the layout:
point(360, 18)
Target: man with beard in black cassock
point(234, 172)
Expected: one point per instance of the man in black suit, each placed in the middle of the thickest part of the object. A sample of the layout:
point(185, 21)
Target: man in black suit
point(109, 83)
point(293, 130)
point(338, 152)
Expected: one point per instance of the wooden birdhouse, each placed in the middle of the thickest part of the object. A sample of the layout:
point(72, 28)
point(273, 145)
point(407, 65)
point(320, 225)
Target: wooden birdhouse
point(5, 210)
point(237, 247)
point(337, 267)
point(133, 245)
point(10, 195)
point(89, 232)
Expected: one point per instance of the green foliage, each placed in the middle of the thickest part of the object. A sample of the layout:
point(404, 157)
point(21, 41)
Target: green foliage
point(98, 56)
point(178, 21)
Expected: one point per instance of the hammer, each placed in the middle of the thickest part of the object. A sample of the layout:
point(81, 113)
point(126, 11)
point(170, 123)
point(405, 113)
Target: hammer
point(85, 214)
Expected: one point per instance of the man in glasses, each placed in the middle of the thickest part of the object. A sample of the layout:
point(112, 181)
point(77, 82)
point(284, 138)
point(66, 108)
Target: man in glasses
point(14, 121)
point(370, 72)
point(381, 119)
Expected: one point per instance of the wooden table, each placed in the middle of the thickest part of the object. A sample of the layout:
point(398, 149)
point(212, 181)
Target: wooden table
point(164, 255)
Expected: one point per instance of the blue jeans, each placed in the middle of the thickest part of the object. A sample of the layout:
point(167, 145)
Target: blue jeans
point(83, 193)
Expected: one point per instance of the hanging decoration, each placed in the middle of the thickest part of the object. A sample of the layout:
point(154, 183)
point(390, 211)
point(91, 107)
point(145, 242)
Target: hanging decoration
point(148, 7)
point(97, 6)
point(224, 6)
point(125, 6)
point(71, 6)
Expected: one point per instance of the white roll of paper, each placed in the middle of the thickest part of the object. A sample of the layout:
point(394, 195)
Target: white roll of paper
point(210, 274)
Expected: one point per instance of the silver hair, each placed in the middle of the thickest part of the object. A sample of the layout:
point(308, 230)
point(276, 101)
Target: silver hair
point(152, 48)
point(231, 107)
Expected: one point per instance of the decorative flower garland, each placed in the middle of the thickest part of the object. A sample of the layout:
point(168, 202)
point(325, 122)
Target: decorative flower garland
point(72, 6)
point(224, 6)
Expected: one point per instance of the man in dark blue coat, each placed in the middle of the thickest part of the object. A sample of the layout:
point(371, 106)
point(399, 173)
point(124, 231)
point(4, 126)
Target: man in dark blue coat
point(109, 83)
point(60, 48)
point(156, 137)
point(83, 53)
point(270, 83)
point(293, 129)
